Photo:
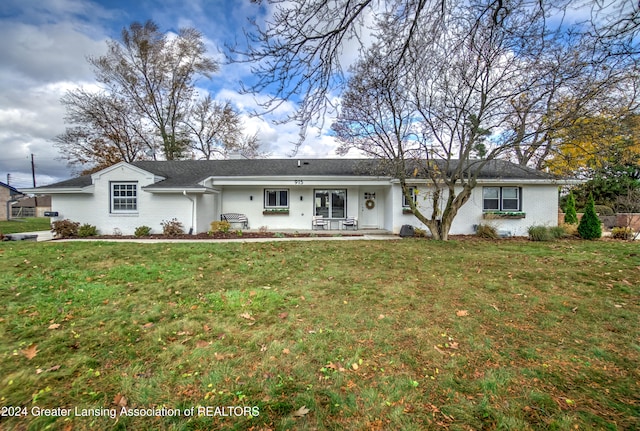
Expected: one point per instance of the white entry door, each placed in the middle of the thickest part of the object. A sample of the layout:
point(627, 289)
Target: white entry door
point(369, 209)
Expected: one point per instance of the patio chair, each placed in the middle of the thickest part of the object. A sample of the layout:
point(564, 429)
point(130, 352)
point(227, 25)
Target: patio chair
point(350, 223)
point(317, 222)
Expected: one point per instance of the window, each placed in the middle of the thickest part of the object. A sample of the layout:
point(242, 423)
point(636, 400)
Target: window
point(276, 198)
point(501, 198)
point(414, 195)
point(124, 197)
point(331, 203)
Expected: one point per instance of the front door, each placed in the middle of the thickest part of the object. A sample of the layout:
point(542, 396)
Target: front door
point(369, 209)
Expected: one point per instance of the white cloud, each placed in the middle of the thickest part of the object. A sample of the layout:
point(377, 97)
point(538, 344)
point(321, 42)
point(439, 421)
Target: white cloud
point(44, 51)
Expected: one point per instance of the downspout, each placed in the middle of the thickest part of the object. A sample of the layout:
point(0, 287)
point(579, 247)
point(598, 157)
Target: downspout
point(193, 212)
point(9, 202)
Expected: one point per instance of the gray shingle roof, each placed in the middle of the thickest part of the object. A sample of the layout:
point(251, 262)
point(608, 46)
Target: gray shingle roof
point(189, 173)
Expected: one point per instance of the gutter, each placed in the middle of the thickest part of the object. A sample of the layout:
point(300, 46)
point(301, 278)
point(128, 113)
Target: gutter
point(193, 213)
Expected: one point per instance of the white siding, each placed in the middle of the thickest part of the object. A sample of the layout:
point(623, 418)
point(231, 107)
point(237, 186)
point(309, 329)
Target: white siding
point(539, 202)
point(237, 199)
point(94, 208)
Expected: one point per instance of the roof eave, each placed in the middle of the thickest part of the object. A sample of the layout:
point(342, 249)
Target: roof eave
point(61, 190)
point(173, 190)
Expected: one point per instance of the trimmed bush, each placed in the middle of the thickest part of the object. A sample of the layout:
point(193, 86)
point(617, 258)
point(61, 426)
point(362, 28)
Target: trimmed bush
point(487, 231)
point(65, 228)
point(589, 227)
point(142, 231)
point(570, 215)
point(172, 227)
point(87, 230)
point(622, 232)
point(220, 226)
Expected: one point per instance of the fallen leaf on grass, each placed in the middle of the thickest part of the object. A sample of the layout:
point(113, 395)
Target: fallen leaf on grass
point(247, 316)
point(301, 412)
point(54, 326)
point(54, 368)
point(439, 350)
point(30, 352)
point(462, 313)
point(221, 357)
point(336, 366)
point(202, 343)
point(286, 351)
point(147, 325)
point(283, 315)
point(120, 400)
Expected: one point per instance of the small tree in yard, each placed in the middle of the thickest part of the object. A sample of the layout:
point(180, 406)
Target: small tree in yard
point(589, 227)
point(570, 216)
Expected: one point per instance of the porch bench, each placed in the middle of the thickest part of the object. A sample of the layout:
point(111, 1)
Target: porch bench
point(235, 218)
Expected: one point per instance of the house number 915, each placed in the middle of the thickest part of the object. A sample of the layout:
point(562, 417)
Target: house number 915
point(298, 182)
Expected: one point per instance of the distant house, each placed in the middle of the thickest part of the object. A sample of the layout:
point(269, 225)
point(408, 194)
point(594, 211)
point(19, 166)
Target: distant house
point(8, 195)
point(31, 206)
point(291, 194)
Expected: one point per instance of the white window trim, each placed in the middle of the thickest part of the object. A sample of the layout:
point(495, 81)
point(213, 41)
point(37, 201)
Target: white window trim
point(112, 198)
point(277, 206)
point(414, 196)
point(501, 198)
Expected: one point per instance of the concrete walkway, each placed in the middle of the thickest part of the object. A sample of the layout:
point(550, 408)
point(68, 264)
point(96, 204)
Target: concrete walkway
point(362, 236)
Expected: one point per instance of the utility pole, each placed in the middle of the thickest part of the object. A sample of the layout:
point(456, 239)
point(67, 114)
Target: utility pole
point(33, 171)
point(33, 175)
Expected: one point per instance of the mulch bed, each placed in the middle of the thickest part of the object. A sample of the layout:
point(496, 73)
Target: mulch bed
point(228, 235)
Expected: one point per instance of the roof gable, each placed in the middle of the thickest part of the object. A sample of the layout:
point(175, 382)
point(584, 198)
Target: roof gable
point(121, 165)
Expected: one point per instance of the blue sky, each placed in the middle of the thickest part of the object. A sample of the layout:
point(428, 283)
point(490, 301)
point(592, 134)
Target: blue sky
point(44, 51)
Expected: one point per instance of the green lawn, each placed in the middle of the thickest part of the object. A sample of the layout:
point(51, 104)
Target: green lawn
point(25, 225)
point(353, 335)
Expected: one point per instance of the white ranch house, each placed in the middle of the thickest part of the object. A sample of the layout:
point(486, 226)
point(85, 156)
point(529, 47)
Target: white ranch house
point(287, 194)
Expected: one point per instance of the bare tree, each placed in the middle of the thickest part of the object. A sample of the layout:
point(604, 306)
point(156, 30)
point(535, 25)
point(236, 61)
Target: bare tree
point(304, 49)
point(106, 131)
point(566, 84)
point(616, 25)
point(440, 117)
point(156, 74)
point(214, 128)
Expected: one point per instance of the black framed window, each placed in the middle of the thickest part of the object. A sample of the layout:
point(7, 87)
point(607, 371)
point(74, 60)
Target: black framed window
point(276, 198)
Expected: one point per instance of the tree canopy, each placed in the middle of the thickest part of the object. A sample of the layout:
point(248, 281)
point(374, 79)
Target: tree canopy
point(305, 47)
point(147, 106)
